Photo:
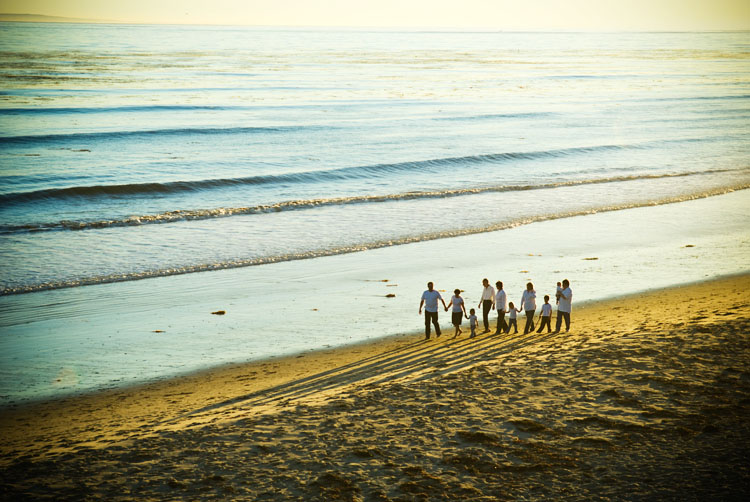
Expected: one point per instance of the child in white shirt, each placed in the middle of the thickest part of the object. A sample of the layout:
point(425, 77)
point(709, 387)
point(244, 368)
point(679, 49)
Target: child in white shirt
point(512, 321)
point(545, 316)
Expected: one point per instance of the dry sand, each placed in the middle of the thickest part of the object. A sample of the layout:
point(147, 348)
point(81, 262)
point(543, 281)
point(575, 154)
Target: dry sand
point(648, 398)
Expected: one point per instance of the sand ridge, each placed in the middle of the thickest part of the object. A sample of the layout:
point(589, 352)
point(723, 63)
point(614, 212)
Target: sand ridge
point(646, 398)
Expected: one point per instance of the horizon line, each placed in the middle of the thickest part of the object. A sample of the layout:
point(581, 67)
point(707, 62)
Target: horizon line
point(48, 19)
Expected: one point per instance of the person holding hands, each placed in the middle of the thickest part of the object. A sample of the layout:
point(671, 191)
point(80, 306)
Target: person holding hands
point(488, 298)
point(528, 304)
point(501, 305)
point(430, 301)
point(458, 308)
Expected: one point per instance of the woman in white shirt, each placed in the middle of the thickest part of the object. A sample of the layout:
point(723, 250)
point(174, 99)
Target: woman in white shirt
point(528, 304)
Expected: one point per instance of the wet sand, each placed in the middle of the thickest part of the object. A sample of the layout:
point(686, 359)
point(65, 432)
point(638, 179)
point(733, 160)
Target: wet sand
point(647, 398)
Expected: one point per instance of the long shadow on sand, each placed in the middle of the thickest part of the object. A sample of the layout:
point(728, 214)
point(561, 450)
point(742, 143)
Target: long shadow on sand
point(422, 360)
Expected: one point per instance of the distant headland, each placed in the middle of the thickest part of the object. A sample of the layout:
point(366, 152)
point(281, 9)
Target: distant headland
point(38, 18)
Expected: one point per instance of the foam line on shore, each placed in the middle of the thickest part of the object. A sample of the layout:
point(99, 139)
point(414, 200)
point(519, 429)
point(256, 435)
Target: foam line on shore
point(361, 247)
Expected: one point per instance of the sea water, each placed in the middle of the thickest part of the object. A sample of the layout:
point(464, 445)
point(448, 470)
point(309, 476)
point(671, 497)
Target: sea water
point(153, 174)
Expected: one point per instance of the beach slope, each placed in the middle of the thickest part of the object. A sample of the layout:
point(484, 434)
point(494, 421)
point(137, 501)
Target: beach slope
point(646, 398)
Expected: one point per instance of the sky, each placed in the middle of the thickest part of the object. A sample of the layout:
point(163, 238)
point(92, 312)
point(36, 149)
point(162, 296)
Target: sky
point(597, 15)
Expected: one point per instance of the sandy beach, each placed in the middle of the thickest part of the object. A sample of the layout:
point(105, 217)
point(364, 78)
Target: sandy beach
point(646, 398)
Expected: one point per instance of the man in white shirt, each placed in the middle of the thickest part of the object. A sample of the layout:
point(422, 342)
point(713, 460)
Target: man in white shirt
point(430, 301)
point(501, 305)
point(563, 309)
point(488, 298)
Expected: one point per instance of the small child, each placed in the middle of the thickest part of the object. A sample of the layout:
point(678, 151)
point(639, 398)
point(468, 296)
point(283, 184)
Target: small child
point(513, 316)
point(557, 295)
point(546, 315)
point(473, 323)
point(458, 309)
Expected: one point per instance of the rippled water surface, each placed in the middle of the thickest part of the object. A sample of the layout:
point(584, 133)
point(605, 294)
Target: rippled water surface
point(168, 149)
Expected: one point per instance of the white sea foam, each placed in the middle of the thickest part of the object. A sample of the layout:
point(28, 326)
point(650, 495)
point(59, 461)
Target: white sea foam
point(363, 246)
point(291, 205)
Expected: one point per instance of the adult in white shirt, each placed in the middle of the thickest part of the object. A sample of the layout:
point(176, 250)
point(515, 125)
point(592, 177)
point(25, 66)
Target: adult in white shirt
point(501, 305)
point(488, 298)
point(528, 304)
point(563, 309)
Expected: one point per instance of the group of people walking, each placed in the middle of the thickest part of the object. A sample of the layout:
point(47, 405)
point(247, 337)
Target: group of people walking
point(492, 299)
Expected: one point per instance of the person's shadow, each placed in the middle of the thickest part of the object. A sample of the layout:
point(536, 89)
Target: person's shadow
point(423, 360)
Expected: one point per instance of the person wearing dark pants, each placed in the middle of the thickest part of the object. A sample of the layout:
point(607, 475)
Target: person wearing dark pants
point(488, 298)
point(430, 301)
point(528, 304)
point(501, 302)
point(560, 316)
point(545, 316)
point(512, 318)
point(563, 309)
point(431, 317)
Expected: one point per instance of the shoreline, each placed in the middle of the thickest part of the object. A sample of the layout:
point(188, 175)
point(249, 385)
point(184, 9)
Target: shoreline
point(345, 351)
point(113, 335)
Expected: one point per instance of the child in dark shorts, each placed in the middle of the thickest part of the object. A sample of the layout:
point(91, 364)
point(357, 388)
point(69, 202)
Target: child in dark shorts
point(458, 310)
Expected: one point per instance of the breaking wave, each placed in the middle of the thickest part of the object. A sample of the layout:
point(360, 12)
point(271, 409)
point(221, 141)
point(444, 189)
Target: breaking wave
point(85, 281)
point(301, 204)
point(345, 173)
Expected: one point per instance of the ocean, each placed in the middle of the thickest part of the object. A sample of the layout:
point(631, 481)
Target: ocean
point(293, 177)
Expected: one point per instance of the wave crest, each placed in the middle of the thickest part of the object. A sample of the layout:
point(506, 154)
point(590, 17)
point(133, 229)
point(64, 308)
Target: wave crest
point(86, 281)
point(345, 173)
point(302, 204)
point(147, 134)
